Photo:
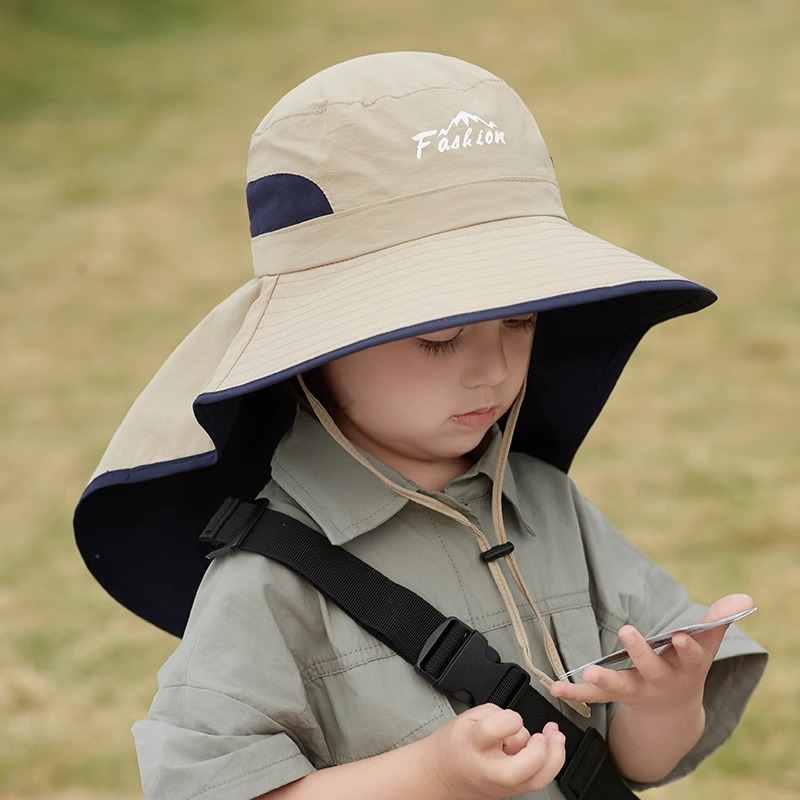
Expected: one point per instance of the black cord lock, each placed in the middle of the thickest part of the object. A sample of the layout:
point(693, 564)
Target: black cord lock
point(498, 551)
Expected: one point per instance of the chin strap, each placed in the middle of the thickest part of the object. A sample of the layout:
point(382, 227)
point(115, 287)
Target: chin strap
point(500, 533)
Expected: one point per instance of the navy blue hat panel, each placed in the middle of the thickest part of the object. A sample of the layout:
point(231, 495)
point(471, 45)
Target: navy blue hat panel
point(279, 201)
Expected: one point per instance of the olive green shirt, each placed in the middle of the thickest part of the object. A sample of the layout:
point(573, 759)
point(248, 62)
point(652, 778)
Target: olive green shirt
point(272, 681)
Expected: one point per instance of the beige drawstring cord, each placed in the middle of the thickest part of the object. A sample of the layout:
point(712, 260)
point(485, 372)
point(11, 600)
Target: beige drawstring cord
point(497, 519)
point(500, 532)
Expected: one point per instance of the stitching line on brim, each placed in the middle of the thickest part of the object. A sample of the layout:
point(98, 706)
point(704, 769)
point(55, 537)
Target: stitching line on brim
point(581, 266)
point(275, 341)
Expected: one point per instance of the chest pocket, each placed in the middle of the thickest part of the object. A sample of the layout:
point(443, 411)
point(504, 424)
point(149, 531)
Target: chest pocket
point(368, 700)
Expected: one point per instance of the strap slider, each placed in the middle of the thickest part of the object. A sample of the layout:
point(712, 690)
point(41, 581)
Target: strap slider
point(459, 661)
point(581, 770)
point(229, 527)
point(498, 551)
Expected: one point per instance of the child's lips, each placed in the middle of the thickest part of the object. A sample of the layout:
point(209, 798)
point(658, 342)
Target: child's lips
point(477, 418)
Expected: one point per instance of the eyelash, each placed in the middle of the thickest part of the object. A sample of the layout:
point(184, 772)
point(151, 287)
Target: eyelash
point(527, 324)
point(434, 348)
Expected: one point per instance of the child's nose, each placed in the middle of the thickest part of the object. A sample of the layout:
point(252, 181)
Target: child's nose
point(486, 364)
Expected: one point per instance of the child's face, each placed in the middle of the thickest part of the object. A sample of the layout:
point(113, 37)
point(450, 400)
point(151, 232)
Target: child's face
point(430, 398)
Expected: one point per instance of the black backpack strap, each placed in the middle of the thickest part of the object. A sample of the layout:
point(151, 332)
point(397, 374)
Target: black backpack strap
point(449, 654)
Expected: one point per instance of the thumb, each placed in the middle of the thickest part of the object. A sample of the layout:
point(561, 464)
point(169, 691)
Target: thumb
point(724, 607)
point(728, 606)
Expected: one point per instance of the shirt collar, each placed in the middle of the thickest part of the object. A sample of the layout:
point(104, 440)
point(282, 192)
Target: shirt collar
point(345, 499)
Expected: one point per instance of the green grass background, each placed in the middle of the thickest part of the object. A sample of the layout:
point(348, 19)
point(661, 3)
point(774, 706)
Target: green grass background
point(124, 128)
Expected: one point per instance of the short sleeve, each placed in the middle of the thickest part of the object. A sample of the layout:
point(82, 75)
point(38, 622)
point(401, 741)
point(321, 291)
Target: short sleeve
point(230, 720)
point(628, 588)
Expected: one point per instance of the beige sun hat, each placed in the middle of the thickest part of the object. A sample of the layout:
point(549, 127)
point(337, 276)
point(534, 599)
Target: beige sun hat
point(389, 196)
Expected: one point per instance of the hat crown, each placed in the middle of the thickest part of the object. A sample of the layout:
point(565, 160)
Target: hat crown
point(391, 125)
point(365, 79)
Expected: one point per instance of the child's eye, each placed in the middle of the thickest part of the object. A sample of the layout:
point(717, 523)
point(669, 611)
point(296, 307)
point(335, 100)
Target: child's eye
point(434, 347)
point(526, 323)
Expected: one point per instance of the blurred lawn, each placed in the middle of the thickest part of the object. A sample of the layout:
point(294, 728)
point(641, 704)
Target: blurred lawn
point(123, 131)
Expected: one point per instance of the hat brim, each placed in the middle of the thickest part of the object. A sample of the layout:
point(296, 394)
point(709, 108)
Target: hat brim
point(457, 276)
point(137, 524)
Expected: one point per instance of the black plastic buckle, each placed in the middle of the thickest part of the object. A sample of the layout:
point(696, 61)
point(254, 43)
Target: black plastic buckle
point(581, 770)
point(231, 524)
point(474, 671)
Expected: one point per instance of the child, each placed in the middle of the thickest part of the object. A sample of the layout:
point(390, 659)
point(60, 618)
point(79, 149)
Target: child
point(421, 306)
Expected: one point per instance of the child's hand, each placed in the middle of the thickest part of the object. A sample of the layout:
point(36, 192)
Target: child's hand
point(486, 753)
point(673, 678)
point(662, 714)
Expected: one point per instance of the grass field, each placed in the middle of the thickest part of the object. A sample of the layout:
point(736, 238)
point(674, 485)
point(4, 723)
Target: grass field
point(124, 127)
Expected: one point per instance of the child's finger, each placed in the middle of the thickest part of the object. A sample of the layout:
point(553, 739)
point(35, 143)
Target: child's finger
point(495, 726)
point(479, 712)
point(556, 753)
point(513, 771)
point(612, 685)
point(516, 770)
point(690, 654)
point(514, 743)
point(548, 767)
point(724, 607)
point(550, 728)
point(644, 658)
point(587, 692)
point(728, 606)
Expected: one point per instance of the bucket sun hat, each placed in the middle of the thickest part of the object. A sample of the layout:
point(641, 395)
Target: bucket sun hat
point(389, 196)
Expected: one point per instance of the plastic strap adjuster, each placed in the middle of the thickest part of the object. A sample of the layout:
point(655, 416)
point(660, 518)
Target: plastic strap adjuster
point(231, 524)
point(472, 671)
point(584, 766)
point(498, 551)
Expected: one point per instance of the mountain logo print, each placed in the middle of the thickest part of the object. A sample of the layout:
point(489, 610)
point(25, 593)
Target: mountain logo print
point(464, 131)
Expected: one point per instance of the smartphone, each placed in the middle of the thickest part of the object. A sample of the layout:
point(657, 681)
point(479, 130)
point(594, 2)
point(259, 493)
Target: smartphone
point(659, 640)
